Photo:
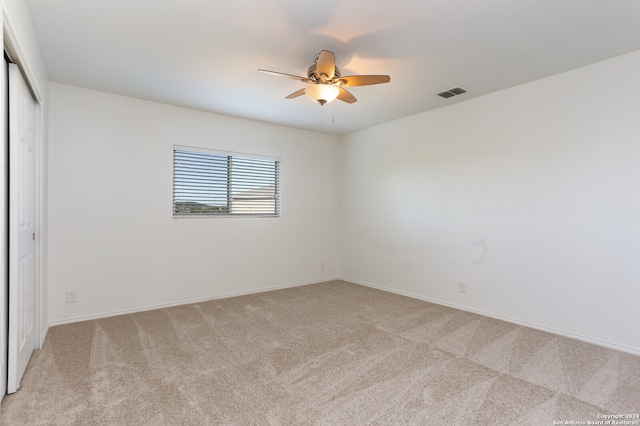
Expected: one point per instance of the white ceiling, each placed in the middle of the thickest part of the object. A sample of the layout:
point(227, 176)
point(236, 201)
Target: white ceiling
point(205, 54)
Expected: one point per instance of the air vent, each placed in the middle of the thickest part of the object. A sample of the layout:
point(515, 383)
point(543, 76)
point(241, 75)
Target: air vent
point(452, 92)
point(446, 94)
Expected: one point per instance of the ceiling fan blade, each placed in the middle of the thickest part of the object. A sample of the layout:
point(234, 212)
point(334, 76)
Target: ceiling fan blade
point(362, 80)
point(281, 74)
point(326, 65)
point(346, 96)
point(296, 94)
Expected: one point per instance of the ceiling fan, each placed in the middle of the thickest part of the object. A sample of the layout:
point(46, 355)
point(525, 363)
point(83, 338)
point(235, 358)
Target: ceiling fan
point(326, 83)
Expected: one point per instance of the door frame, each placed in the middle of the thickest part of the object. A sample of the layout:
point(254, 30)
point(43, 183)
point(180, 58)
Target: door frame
point(12, 45)
point(4, 237)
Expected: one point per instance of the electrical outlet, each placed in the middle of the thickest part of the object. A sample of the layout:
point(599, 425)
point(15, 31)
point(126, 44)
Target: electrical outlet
point(462, 287)
point(72, 296)
point(322, 266)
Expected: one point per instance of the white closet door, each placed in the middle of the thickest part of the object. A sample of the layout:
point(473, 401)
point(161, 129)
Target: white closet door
point(22, 291)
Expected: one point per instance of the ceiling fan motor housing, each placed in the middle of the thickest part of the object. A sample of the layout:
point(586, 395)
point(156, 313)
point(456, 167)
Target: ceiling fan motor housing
point(311, 73)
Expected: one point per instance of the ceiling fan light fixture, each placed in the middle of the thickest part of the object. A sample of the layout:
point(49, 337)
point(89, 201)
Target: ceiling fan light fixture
point(326, 82)
point(321, 93)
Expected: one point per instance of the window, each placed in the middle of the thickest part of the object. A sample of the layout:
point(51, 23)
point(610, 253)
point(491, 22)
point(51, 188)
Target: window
point(210, 183)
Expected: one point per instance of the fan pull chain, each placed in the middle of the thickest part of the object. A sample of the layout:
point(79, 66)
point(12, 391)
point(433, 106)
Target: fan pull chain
point(333, 113)
point(321, 118)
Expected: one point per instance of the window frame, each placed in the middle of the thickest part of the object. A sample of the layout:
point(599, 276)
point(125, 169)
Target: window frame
point(230, 155)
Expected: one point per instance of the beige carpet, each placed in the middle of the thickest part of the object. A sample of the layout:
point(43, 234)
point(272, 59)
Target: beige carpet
point(327, 354)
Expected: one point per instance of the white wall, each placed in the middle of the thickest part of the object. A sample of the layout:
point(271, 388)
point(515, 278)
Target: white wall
point(112, 235)
point(16, 14)
point(529, 195)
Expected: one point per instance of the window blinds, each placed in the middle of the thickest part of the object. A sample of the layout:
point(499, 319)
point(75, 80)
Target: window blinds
point(210, 183)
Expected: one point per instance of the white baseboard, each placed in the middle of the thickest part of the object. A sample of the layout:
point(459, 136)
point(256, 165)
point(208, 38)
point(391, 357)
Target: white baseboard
point(181, 302)
point(559, 332)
